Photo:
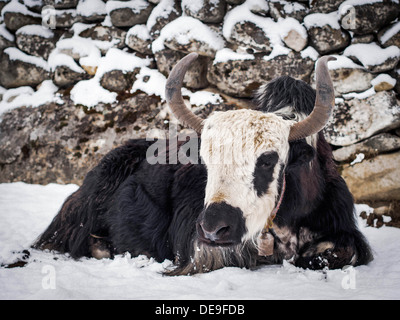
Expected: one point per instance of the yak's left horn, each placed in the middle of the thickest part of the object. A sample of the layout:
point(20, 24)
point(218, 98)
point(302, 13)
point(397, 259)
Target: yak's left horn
point(174, 95)
point(324, 102)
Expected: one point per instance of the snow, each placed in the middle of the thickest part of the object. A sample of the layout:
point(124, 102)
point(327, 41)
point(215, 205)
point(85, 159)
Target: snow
point(5, 33)
point(342, 62)
point(192, 6)
point(243, 13)
point(227, 54)
point(309, 52)
point(135, 5)
point(360, 95)
point(184, 29)
point(78, 47)
point(291, 7)
point(116, 59)
point(57, 58)
point(370, 54)
point(150, 81)
point(395, 28)
point(199, 98)
point(383, 77)
point(15, 6)
point(275, 31)
point(140, 31)
point(153, 82)
point(128, 277)
point(359, 158)
point(78, 27)
point(16, 54)
point(34, 29)
point(26, 96)
point(161, 10)
point(88, 8)
point(90, 93)
point(322, 19)
point(286, 25)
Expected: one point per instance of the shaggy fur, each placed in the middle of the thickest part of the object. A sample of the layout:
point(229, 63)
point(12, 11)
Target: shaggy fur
point(127, 205)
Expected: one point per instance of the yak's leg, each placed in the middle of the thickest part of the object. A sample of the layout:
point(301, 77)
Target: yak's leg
point(100, 248)
point(335, 240)
point(334, 251)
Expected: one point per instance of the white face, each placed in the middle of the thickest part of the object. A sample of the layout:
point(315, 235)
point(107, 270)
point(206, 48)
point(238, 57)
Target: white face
point(234, 145)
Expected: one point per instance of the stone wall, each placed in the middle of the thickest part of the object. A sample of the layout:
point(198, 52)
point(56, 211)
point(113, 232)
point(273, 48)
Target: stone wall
point(79, 77)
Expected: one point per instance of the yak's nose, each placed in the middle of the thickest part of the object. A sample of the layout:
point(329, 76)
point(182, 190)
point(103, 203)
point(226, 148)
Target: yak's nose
point(221, 224)
point(218, 233)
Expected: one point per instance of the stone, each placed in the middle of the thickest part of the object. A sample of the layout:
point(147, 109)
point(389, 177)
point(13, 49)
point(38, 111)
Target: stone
point(374, 58)
point(91, 70)
point(284, 9)
point(249, 34)
point(165, 12)
point(383, 82)
point(361, 18)
point(383, 142)
point(186, 34)
point(19, 69)
point(195, 77)
point(91, 10)
point(138, 38)
point(208, 11)
point(235, 2)
point(65, 77)
point(66, 18)
point(375, 179)
point(325, 33)
point(355, 119)
point(390, 36)
point(7, 39)
point(347, 76)
point(260, 8)
point(396, 75)
point(324, 6)
point(2, 4)
point(128, 13)
point(117, 80)
point(295, 40)
point(240, 77)
point(35, 40)
point(59, 142)
point(118, 69)
point(364, 38)
point(62, 4)
point(105, 33)
point(16, 15)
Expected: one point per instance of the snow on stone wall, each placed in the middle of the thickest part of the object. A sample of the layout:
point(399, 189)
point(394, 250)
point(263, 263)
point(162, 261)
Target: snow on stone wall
point(99, 56)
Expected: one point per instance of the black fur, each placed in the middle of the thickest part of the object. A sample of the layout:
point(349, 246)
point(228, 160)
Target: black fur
point(130, 205)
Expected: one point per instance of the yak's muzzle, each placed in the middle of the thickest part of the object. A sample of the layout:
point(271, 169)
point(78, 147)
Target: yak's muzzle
point(220, 224)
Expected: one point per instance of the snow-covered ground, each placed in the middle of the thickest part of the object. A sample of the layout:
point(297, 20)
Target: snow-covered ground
point(26, 210)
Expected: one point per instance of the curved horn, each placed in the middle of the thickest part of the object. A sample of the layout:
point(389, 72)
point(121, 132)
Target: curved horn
point(174, 95)
point(324, 102)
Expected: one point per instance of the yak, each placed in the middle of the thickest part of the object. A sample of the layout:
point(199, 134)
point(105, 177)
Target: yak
point(278, 197)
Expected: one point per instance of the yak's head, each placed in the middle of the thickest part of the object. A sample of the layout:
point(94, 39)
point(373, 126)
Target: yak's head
point(245, 153)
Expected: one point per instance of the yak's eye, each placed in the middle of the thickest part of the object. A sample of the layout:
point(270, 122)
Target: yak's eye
point(267, 160)
point(263, 172)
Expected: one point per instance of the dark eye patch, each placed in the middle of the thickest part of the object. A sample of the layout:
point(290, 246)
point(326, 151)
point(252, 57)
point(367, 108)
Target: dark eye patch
point(263, 171)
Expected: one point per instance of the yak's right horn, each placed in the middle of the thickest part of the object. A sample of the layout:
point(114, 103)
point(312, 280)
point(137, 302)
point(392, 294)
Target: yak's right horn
point(174, 95)
point(324, 102)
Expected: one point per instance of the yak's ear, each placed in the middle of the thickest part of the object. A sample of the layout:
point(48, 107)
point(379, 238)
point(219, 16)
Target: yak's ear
point(300, 153)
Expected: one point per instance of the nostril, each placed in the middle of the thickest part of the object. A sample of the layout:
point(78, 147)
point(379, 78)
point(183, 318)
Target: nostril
point(222, 231)
point(216, 234)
